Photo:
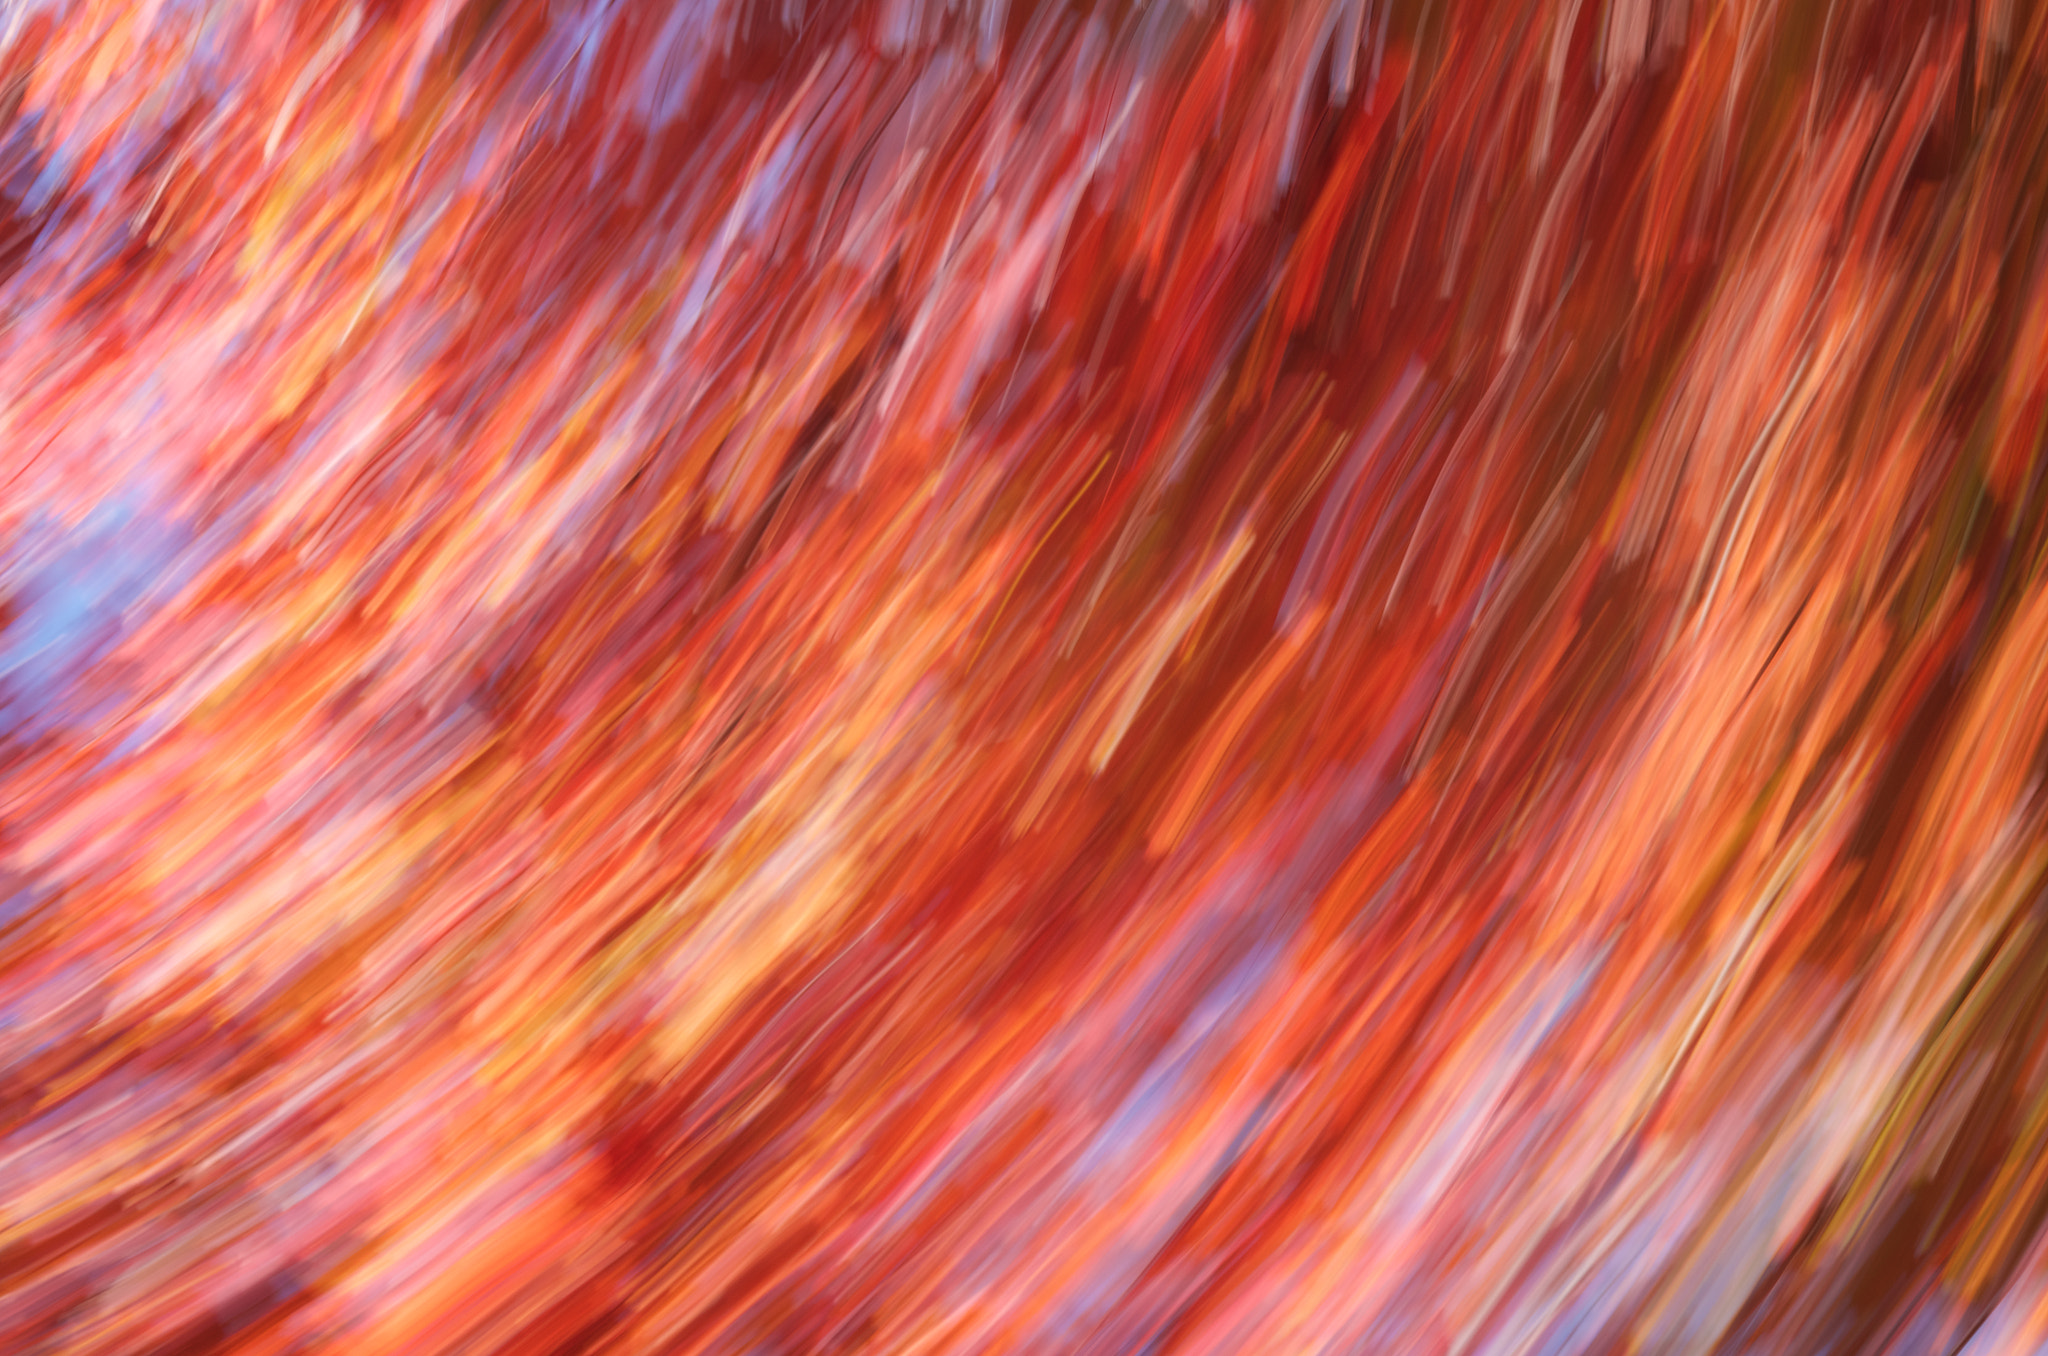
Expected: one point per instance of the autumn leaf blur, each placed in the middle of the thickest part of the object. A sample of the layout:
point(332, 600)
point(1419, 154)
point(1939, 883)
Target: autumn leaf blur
point(1173, 676)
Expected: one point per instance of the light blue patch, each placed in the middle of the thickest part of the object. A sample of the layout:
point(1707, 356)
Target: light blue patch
point(76, 592)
